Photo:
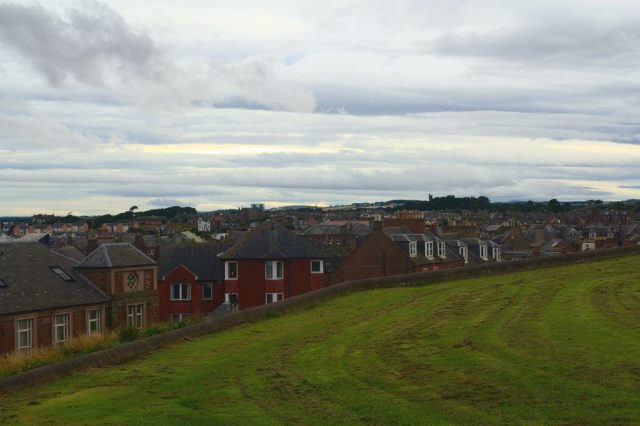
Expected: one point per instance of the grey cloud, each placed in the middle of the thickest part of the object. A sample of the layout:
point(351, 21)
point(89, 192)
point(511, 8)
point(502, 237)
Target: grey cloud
point(83, 45)
point(168, 202)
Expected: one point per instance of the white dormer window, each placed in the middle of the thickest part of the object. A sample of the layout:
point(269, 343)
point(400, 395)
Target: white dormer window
point(441, 249)
point(483, 251)
point(592, 234)
point(496, 254)
point(428, 249)
point(413, 248)
point(463, 253)
point(610, 234)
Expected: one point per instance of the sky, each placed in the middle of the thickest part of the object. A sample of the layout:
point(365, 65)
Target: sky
point(219, 104)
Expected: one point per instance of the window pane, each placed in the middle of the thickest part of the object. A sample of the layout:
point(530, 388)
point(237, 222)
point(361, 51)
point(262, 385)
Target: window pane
point(269, 297)
point(279, 269)
point(207, 291)
point(269, 270)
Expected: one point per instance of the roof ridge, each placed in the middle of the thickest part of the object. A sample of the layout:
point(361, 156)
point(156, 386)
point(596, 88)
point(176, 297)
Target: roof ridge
point(103, 248)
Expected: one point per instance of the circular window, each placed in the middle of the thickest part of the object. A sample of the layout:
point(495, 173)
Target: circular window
point(132, 280)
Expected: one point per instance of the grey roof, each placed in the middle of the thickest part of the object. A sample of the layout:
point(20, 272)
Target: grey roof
point(31, 284)
point(115, 255)
point(201, 260)
point(272, 241)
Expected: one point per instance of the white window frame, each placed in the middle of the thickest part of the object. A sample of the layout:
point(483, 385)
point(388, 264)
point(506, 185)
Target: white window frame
point(496, 253)
point(205, 285)
point(30, 333)
point(321, 263)
point(428, 249)
point(135, 319)
point(227, 264)
point(65, 326)
point(274, 270)
point(181, 317)
point(182, 296)
point(97, 321)
point(464, 252)
point(413, 248)
point(483, 251)
point(279, 296)
point(442, 249)
point(227, 297)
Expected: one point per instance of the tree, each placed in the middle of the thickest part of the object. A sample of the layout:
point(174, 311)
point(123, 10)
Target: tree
point(554, 206)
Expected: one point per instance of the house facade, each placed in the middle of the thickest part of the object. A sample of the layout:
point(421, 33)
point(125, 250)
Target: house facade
point(190, 282)
point(270, 264)
point(129, 278)
point(61, 303)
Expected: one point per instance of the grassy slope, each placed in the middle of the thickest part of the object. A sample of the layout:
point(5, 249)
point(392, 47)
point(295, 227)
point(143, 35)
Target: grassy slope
point(560, 344)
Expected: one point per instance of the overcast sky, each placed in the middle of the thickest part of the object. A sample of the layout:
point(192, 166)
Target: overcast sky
point(216, 104)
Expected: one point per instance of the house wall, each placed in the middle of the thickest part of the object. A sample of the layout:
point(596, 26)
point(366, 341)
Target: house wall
point(43, 325)
point(197, 305)
point(377, 256)
point(113, 281)
point(252, 285)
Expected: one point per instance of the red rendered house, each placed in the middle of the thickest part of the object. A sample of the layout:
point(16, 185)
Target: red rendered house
point(269, 264)
point(190, 282)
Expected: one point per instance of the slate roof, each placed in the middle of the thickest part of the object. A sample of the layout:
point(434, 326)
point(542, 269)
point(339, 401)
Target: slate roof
point(271, 241)
point(115, 255)
point(203, 261)
point(31, 284)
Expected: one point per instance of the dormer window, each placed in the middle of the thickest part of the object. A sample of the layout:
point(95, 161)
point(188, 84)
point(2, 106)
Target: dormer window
point(441, 249)
point(592, 234)
point(413, 249)
point(428, 249)
point(463, 253)
point(496, 254)
point(483, 251)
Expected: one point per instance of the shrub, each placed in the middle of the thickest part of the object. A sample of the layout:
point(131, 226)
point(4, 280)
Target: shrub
point(128, 334)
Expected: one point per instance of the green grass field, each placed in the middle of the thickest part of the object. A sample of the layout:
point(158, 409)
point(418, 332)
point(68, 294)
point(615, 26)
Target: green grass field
point(560, 345)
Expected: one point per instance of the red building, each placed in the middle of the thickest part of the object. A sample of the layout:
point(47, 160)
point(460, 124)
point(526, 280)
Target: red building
point(190, 282)
point(270, 264)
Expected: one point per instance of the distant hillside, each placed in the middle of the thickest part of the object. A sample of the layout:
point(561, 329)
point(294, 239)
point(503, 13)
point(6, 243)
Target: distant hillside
point(549, 346)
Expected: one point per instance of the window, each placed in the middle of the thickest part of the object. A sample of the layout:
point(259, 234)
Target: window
point(273, 297)
point(62, 274)
point(273, 269)
point(207, 291)
point(592, 234)
point(413, 248)
point(180, 291)
point(24, 334)
point(135, 316)
point(231, 270)
point(483, 251)
point(60, 328)
point(463, 253)
point(3, 284)
point(232, 298)
point(441, 249)
point(317, 266)
point(151, 252)
point(179, 317)
point(132, 280)
point(428, 249)
point(94, 321)
point(496, 253)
